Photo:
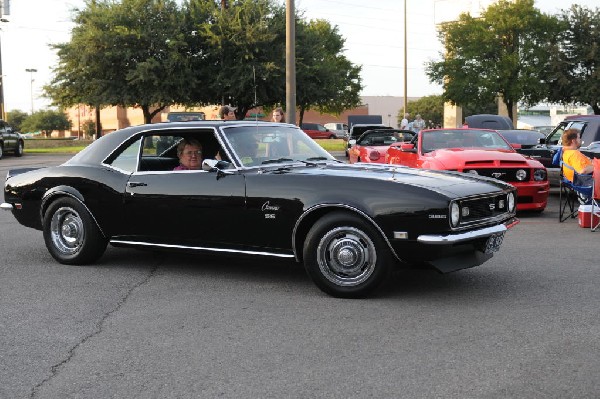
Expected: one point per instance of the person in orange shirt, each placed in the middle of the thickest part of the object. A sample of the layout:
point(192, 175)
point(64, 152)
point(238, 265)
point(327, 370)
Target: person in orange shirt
point(571, 141)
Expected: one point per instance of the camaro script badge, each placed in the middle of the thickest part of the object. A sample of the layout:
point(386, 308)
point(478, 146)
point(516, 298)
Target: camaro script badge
point(268, 207)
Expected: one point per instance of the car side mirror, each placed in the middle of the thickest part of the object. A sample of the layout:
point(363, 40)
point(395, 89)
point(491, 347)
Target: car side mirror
point(212, 165)
point(407, 147)
point(352, 141)
point(542, 141)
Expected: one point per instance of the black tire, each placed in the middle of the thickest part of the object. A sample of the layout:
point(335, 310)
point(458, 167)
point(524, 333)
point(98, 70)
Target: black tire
point(71, 235)
point(345, 256)
point(19, 150)
point(1, 151)
point(332, 137)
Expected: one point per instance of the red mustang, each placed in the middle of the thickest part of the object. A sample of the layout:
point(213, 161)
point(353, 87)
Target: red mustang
point(478, 151)
point(372, 145)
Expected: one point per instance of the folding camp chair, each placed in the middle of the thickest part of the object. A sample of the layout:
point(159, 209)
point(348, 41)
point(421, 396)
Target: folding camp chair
point(595, 213)
point(572, 193)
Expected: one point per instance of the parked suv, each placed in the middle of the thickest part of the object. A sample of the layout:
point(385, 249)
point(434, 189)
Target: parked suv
point(317, 131)
point(589, 125)
point(10, 141)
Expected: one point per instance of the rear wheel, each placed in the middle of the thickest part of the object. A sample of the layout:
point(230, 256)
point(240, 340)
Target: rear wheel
point(1, 151)
point(345, 256)
point(70, 233)
point(19, 150)
point(332, 137)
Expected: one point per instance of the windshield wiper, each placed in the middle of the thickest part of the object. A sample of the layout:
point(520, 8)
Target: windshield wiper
point(278, 160)
point(317, 159)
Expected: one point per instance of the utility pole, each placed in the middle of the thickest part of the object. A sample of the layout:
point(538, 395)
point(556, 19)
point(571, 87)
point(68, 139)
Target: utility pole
point(290, 62)
point(31, 71)
point(405, 63)
point(4, 10)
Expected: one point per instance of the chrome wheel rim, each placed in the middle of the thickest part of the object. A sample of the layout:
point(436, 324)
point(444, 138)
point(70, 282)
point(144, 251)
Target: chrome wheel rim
point(67, 231)
point(346, 256)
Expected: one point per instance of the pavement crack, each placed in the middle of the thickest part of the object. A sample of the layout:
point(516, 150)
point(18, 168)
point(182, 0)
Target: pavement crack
point(55, 369)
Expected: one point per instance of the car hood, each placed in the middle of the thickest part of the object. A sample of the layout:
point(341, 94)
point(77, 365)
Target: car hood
point(451, 184)
point(458, 158)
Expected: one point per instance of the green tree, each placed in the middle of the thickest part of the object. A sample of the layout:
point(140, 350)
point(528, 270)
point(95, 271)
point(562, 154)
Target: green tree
point(247, 43)
point(16, 118)
point(46, 121)
point(501, 53)
point(573, 75)
point(127, 53)
point(326, 80)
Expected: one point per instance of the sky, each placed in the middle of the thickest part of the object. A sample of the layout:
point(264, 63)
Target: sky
point(373, 30)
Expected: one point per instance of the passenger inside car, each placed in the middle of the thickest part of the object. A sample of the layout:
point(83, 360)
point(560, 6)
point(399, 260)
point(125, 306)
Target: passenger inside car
point(189, 152)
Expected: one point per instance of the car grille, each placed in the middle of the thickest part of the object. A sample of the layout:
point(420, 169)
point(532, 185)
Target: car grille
point(506, 174)
point(484, 209)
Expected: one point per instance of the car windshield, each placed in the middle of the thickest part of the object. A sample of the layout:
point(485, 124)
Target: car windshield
point(525, 137)
point(263, 144)
point(377, 138)
point(462, 138)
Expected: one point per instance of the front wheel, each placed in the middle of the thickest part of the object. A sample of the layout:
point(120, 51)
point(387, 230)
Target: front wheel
point(1, 151)
point(71, 235)
point(345, 256)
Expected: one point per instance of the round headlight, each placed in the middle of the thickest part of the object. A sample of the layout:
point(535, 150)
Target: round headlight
point(539, 175)
point(511, 202)
point(454, 214)
point(521, 174)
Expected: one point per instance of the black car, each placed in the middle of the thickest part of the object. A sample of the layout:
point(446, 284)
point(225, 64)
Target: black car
point(489, 121)
point(522, 138)
point(10, 140)
point(358, 129)
point(588, 125)
point(273, 192)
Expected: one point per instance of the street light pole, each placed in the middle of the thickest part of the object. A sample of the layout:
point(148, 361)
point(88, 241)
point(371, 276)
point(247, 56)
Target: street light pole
point(31, 71)
point(2, 113)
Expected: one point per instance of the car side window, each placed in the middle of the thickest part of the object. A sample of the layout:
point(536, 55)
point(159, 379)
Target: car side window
point(127, 159)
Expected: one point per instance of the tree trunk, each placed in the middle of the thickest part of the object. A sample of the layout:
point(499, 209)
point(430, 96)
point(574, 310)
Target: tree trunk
point(301, 118)
point(98, 123)
point(149, 115)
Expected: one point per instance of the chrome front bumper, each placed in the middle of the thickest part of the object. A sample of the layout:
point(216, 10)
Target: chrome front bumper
point(467, 236)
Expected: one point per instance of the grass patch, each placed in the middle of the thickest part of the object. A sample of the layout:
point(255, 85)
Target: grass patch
point(55, 150)
point(332, 145)
point(31, 148)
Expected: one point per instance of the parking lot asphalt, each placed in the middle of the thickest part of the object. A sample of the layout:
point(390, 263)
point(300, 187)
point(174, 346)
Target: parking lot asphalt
point(139, 324)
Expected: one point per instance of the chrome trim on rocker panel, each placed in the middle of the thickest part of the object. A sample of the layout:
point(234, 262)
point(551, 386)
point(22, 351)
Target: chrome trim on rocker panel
point(459, 237)
point(148, 244)
point(338, 206)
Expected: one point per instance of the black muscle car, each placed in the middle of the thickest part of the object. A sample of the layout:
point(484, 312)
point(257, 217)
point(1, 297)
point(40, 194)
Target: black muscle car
point(264, 189)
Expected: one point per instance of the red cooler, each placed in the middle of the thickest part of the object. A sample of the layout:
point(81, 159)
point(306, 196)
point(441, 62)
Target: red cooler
point(584, 213)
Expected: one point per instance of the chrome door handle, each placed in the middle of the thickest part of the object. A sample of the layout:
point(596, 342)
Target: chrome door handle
point(136, 184)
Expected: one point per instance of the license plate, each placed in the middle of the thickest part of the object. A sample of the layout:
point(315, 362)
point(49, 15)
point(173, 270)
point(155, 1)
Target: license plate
point(493, 243)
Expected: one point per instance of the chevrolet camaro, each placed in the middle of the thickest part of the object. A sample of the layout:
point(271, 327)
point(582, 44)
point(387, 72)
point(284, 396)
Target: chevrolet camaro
point(263, 189)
